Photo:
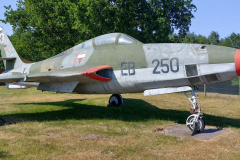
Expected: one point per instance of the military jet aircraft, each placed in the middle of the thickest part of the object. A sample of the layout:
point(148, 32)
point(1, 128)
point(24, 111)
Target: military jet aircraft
point(116, 63)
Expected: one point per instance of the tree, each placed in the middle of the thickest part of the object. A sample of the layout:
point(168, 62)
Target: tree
point(214, 38)
point(231, 41)
point(189, 38)
point(193, 38)
point(225, 42)
point(51, 26)
point(202, 40)
point(174, 38)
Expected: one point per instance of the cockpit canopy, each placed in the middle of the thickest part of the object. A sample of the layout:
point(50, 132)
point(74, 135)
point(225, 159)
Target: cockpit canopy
point(106, 39)
point(117, 38)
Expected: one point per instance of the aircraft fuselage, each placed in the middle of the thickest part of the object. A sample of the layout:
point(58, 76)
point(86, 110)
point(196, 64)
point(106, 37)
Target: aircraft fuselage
point(135, 66)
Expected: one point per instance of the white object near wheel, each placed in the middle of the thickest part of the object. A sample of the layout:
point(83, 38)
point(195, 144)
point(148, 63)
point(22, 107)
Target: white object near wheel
point(115, 100)
point(195, 126)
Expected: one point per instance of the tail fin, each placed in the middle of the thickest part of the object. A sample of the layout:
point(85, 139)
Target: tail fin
point(9, 54)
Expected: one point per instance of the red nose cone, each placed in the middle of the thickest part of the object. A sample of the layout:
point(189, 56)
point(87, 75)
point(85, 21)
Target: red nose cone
point(237, 61)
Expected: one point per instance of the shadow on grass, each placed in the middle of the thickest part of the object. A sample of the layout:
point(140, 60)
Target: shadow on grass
point(4, 154)
point(135, 110)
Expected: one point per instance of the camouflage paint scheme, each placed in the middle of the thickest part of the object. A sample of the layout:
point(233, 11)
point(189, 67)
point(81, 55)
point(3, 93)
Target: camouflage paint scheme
point(116, 63)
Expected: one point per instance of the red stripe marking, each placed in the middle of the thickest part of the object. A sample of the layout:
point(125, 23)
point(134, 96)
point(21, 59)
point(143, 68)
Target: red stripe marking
point(75, 60)
point(79, 60)
point(42, 65)
point(91, 73)
point(237, 61)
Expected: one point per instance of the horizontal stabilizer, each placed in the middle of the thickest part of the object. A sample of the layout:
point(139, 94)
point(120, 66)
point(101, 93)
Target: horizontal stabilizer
point(26, 61)
point(9, 58)
point(158, 91)
point(11, 78)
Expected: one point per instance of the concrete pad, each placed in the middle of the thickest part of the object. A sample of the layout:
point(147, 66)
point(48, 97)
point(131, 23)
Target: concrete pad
point(183, 130)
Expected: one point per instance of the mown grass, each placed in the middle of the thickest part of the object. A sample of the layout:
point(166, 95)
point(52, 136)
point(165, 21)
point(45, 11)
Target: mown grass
point(71, 126)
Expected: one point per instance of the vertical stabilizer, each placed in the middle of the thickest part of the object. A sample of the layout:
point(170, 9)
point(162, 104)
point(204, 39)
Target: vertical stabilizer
point(9, 54)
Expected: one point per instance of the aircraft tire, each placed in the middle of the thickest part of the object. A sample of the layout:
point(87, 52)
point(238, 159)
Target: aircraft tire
point(200, 125)
point(115, 100)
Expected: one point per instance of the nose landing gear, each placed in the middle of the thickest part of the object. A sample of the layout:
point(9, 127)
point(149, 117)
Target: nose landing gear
point(195, 122)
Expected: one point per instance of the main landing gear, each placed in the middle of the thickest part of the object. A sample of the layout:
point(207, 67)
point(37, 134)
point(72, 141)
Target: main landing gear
point(115, 100)
point(195, 122)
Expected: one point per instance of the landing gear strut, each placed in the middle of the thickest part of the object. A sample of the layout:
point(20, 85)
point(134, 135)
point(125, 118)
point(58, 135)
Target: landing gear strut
point(195, 122)
point(115, 100)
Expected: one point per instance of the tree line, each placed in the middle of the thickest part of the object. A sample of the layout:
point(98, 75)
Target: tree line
point(42, 29)
point(232, 40)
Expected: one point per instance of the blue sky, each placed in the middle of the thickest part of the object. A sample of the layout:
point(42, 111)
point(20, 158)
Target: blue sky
point(216, 15)
point(211, 15)
point(7, 27)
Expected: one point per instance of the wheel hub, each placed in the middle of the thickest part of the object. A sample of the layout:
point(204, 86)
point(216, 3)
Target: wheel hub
point(114, 100)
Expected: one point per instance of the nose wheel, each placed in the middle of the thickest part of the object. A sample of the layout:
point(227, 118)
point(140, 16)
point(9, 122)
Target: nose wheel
point(194, 124)
point(195, 121)
point(115, 100)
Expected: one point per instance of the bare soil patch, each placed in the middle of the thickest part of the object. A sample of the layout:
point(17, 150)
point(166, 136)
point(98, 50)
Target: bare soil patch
point(91, 136)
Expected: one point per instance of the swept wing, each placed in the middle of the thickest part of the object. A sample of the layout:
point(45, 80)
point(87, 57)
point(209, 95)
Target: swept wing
point(83, 74)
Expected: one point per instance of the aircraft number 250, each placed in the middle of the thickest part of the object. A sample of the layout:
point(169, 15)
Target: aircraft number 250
point(174, 65)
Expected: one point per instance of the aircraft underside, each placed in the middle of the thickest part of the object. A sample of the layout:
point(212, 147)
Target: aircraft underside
point(131, 84)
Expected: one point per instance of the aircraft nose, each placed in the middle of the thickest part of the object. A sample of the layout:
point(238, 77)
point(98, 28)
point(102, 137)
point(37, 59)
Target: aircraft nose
point(237, 61)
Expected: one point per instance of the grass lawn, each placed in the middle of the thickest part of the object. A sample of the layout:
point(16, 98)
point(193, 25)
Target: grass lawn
point(72, 126)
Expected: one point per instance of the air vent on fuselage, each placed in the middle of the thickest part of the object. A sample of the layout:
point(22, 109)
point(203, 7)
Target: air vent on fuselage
point(203, 47)
point(191, 70)
point(105, 73)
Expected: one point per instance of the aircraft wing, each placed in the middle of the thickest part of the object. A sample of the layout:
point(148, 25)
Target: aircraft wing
point(11, 78)
point(78, 74)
